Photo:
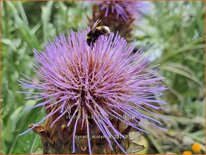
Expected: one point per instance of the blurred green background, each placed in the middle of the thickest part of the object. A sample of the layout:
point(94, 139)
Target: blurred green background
point(171, 33)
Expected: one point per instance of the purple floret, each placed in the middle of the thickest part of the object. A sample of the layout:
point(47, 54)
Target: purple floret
point(122, 10)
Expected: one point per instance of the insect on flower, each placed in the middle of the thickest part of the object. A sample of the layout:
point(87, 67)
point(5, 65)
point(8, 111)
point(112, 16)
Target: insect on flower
point(95, 32)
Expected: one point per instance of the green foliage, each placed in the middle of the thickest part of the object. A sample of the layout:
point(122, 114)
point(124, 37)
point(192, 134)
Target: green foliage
point(172, 34)
point(174, 38)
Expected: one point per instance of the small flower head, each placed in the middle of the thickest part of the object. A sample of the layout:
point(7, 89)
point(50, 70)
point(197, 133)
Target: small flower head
point(95, 87)
point(118, 15)
point(187, 153)
point(122, 10)
point(196, 147)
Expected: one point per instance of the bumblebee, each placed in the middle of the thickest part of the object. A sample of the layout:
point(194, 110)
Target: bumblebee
point(95, 32)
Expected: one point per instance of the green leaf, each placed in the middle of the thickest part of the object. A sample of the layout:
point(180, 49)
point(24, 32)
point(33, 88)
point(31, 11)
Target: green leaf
point(182, 70)
point(45, 18)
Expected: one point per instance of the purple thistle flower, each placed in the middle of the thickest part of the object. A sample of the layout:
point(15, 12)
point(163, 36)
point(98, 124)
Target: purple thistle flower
point(122, 10)
point(106, 81)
